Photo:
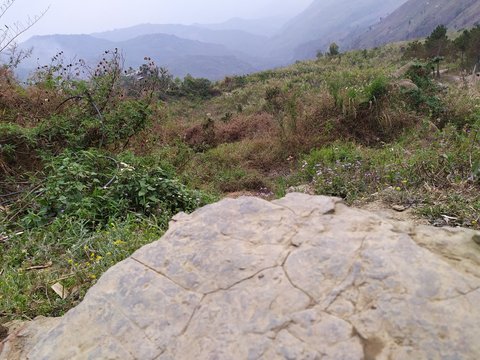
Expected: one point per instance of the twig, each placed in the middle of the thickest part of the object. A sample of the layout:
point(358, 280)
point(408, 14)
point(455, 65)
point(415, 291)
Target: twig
point(23, 207)
point(90, 99)
point(11, 194)
point(19, 29)
point(65, 277)
point(78, 97)
point(40, 267)
point(4, 8)
point(117, 163)
point(102, 120)
point(114, 176)
point(5, 202)
point(17, 193)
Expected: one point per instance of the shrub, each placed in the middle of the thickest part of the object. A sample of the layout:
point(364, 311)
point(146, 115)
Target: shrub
point(377, 88)
point(420, 73)
point(194, 88)
point(16, 149)
point(232, 83)
point(426, 98)
point(333, 49)
point(96, 188)
point(126, 120)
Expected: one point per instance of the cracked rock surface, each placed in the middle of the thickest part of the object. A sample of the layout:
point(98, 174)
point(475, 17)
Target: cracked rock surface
point(304, 277)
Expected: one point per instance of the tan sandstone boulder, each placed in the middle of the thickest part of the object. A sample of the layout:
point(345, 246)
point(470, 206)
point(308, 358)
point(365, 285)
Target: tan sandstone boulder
point(304, 277)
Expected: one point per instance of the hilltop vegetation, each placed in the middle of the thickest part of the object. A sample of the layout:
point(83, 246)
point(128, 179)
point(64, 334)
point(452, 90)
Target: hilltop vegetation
point(96, 161)
point(438, 47)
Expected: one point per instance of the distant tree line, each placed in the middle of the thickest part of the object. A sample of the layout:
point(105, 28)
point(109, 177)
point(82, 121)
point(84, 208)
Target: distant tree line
point(438, 46)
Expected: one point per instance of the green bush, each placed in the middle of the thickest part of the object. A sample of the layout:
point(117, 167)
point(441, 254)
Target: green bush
point(377, 88)
point(194, 88)
point(425, 103)
point(13, 136)
point(126, 120)
point(420, 74)
point(426, 98)
point(96, 188)
point(352, 89)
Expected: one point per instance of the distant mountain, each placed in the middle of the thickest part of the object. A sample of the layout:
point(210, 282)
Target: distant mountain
point(235, 40)
point(180, 56)
point(418, 18)
point(240, 46)
point(325, 21)
point(263, 27)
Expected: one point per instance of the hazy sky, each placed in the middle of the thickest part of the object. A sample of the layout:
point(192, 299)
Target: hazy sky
point(86, 16)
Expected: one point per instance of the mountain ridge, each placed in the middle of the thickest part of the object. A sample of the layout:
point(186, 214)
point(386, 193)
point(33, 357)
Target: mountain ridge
point(236, 40)
point(326, 21)
point(418, 18)
point(167, 50)
point(218, 50)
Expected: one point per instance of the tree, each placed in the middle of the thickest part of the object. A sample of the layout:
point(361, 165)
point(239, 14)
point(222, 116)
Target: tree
point(473, 50)
point(414, 50)
point(436, 61)
point(462, 43)
point(8, 34)
point(437, 43)
point(334, 49)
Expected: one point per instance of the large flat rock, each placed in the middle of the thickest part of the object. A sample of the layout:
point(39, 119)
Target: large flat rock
point(304, 277)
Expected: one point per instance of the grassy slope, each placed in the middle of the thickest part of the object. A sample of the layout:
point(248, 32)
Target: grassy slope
point(258, 150)
point(249, 136)
point(342, 126)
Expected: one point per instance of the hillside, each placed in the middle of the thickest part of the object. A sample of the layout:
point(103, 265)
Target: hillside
point(417, 18)
point(180, 56)
point(104, 162)
point(325, 21)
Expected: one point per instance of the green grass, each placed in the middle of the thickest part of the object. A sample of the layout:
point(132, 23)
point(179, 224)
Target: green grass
point(72, 255)
point(88, 212)
point(436, 176)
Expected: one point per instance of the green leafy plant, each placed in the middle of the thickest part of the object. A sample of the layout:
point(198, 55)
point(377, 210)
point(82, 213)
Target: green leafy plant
point(96, 188)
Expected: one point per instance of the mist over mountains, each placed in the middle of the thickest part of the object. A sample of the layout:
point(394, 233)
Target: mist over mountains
point(264, 26)
point(326, 21)
point(232, 39)
point(241, 46)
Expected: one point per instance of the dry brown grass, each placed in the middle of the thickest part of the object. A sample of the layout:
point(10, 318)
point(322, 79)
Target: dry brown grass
point(26, 106)
point(245, 127)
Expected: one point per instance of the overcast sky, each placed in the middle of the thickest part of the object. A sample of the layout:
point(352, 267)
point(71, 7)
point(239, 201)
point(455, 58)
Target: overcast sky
point(87, 16)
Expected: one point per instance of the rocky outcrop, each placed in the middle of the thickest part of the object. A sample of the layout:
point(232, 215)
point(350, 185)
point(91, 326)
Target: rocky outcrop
point(303, 277)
